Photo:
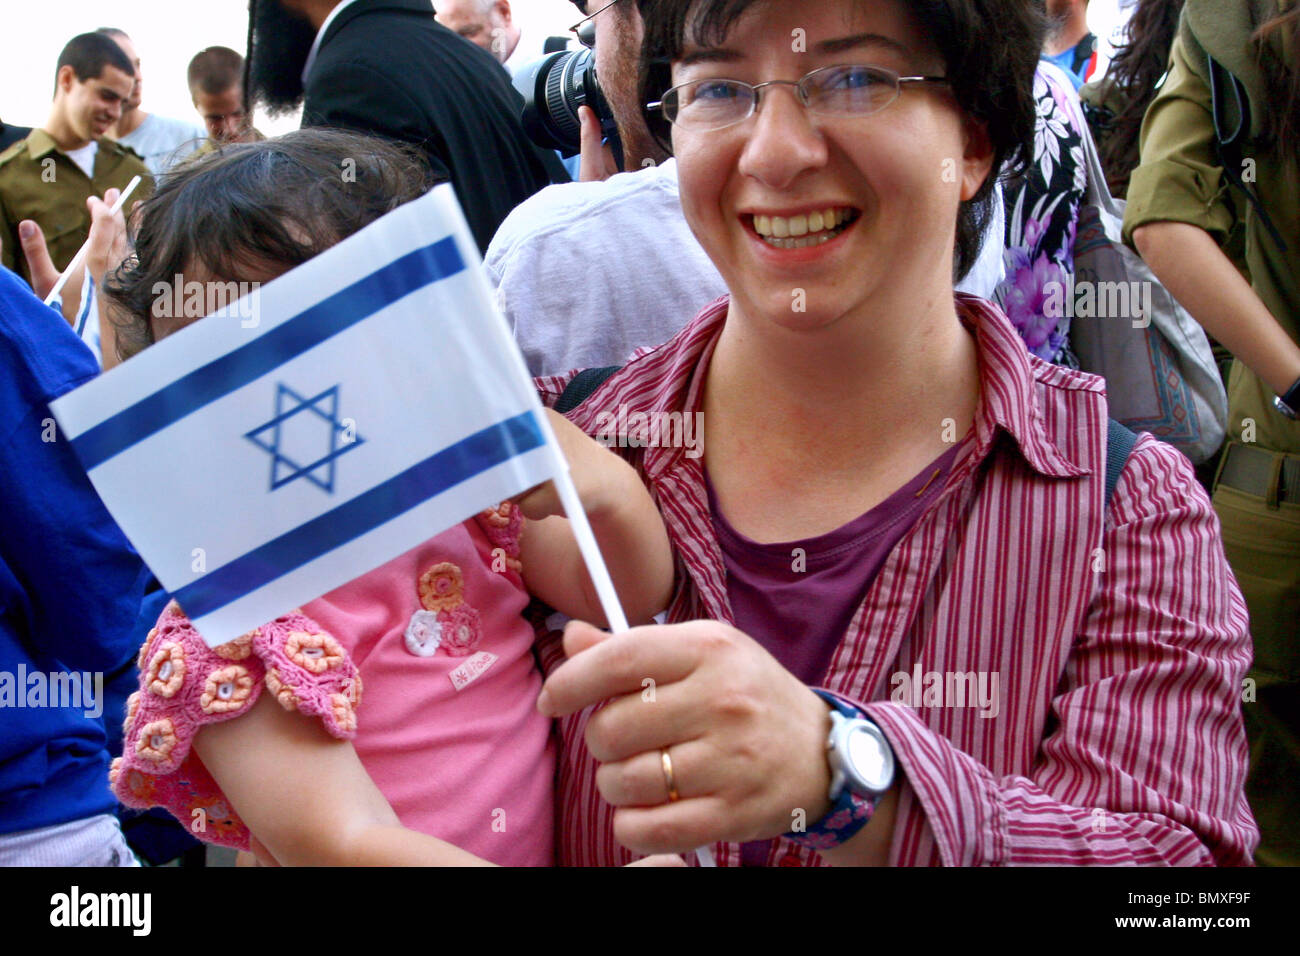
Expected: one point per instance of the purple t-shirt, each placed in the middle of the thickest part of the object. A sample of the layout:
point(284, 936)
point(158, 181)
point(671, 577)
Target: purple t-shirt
point(796, 598)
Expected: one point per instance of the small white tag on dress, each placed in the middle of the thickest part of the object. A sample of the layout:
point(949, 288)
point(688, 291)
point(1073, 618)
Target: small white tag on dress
point(473, 668)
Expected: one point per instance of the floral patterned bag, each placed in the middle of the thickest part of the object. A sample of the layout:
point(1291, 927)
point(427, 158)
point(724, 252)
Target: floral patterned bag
point(1160, 372)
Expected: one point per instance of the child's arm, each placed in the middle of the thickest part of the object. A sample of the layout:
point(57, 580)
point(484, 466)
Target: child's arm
point(627, 526)
point(308, 798)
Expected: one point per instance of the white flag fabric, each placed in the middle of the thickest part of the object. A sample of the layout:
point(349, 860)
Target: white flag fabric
point(328, 422)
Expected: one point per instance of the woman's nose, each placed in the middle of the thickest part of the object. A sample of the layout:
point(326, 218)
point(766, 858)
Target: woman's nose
point(783, 142)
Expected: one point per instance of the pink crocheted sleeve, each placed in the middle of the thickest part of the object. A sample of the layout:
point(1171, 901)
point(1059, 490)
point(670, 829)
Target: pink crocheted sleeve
point(185, 684)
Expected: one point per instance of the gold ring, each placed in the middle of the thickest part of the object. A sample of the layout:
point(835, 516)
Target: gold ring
point(669, 780)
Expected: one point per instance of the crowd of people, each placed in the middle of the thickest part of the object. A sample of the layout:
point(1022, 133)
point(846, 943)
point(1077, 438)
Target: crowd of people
point(917, 600)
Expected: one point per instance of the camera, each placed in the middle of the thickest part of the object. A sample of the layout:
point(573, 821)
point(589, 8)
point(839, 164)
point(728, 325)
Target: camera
point(553, 88)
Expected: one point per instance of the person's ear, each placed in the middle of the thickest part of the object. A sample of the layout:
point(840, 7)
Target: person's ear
point(977, 158)
point(503, 8)
point(66, 77)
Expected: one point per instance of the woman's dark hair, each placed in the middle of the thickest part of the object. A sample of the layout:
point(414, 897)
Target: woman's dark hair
point(251, 206)
point(1135, 71)
point(1282, 122)
point(989, 47)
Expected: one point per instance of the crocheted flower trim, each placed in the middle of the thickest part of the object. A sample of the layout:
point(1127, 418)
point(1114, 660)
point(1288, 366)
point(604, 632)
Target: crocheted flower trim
point(239, 648)
point(315, 652)
point(166, 670)
point(284, 696)
point(423, 634)
point(139, 785)
point(344, 714)
point(502, 525)
point(188, 685)
point(143, 657)
point(156, 740)
point(441, 587)
point(226, 690)
point(461, 630)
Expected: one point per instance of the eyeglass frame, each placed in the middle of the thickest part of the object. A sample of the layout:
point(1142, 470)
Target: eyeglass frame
point(800, 93)
point(576, 29)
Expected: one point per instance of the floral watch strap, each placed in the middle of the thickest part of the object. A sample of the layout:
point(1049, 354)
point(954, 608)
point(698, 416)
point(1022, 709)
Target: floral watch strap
point(849, 812)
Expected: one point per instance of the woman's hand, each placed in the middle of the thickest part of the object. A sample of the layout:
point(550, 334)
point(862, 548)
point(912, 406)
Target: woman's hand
point(745, 737)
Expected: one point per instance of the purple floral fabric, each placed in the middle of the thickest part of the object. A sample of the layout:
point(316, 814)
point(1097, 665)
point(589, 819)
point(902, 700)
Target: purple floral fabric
point(1042, 213)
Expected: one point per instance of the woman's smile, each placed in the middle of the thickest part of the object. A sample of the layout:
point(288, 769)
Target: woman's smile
point(791, 230)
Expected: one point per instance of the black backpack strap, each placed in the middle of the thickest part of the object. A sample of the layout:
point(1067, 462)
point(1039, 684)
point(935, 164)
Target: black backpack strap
point(1083, 51)
point(1230, 107)
point(1119, 444)
point(581, 386)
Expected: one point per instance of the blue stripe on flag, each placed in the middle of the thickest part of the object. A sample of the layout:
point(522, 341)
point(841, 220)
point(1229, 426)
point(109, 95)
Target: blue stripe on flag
point(87, 301)
point(427, 479)
point(233, 371)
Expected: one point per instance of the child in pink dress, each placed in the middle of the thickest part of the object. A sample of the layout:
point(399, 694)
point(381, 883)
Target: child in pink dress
point(425, 664)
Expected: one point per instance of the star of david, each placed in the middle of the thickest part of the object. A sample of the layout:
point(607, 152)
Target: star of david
point(294, 419)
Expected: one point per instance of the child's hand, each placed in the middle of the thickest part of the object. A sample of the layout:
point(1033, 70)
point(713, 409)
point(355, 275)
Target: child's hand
point(595, 470)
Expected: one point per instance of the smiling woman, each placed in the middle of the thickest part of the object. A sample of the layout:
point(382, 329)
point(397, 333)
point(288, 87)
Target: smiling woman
point(891, 485)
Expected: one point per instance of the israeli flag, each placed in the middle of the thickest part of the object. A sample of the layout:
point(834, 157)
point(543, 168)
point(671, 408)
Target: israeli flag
point(319, 426)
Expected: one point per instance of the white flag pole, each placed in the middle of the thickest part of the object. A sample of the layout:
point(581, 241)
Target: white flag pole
point(81, 253)
point(495, 325)
point(595, 562)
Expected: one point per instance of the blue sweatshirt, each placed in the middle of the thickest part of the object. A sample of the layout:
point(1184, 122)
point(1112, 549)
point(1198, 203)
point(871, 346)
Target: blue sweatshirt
point(70, 584)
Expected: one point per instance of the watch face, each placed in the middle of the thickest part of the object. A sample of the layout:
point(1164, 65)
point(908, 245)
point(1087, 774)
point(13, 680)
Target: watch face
point(868, 757)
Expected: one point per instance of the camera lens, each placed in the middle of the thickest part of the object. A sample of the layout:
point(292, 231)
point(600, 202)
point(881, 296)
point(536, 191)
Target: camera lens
point(553, 88)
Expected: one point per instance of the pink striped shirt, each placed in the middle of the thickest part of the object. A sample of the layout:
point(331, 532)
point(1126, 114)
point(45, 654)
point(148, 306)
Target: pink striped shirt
point(1119, 638)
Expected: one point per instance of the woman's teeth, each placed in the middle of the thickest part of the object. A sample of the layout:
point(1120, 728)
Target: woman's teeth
point(795, 232)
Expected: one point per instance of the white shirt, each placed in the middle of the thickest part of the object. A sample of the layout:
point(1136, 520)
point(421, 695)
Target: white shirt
point(586, 273)
point(163, 142)
point(84, 157)
point(320, 34)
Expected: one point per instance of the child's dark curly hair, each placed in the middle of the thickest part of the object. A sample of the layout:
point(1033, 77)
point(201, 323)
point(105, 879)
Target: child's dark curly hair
point(256, 207)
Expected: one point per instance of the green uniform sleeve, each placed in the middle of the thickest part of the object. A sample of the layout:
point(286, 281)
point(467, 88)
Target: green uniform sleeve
point(1179, 178)
point(8, 239)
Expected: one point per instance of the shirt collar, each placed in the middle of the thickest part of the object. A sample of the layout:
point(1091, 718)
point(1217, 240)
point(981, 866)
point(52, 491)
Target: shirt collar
point(1010, 384)
point(40, 144)
point(320, 35)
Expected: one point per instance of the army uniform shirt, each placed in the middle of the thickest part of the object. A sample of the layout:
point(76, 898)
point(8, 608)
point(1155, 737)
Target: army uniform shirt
point(39, 181)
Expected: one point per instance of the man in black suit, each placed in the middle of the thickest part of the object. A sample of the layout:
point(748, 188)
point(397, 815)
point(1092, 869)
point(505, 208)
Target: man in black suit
point(11, 134)
point(387, 67)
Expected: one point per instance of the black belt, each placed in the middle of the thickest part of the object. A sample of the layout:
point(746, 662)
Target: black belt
point(1253, 471)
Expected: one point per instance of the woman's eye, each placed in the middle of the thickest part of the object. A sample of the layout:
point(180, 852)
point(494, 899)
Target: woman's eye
point(852, 80)
point(715, 90)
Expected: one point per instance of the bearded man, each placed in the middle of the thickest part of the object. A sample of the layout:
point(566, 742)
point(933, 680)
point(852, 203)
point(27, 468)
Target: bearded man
point(387, 67)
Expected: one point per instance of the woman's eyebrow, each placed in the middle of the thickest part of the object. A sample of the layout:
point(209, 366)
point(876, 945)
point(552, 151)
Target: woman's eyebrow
point(841, 44)
point(825, 47)
point(710, 55)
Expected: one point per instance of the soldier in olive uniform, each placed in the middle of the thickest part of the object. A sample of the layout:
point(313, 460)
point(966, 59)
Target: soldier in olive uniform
point(1186, 199)
point(48, 176)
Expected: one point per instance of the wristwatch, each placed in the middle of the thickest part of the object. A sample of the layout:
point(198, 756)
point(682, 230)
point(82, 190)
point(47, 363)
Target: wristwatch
point(1289, 404)
point(862, 771)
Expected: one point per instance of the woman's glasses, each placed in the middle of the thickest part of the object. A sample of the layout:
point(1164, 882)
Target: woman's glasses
point(833, 91)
